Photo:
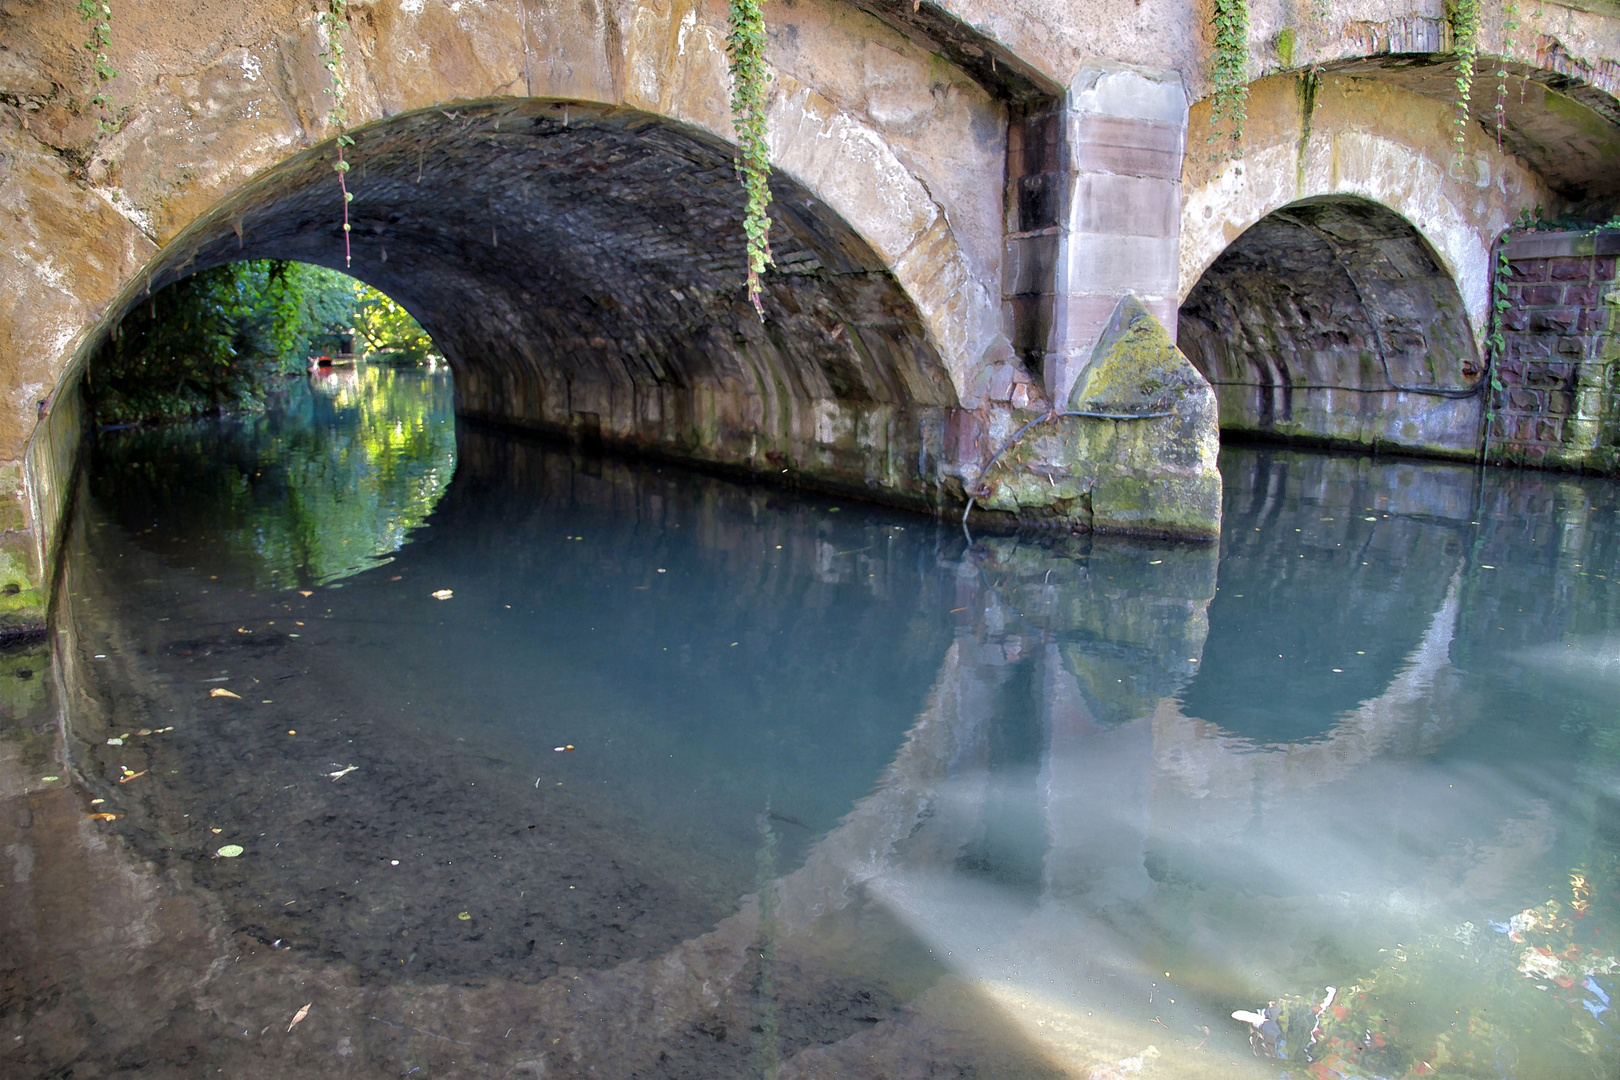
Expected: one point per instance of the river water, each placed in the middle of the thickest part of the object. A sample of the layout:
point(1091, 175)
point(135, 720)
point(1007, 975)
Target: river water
point(508, 761)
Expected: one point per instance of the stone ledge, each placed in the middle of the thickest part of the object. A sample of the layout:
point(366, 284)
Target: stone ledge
point(1553, 245)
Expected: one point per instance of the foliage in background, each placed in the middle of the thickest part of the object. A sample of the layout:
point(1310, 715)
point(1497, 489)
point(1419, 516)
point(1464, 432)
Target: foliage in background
point(212, 340)
point(1230, 97)
point(97, 18)
point(331, 19)
point(745, 52)
point(388, 330)
point(1464, 16)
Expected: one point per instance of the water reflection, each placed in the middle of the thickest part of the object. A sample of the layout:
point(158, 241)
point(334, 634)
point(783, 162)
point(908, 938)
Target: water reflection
point(847, 796)
point(324, 484)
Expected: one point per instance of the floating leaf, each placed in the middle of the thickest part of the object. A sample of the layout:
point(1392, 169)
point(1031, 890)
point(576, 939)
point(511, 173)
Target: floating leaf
point(128, 776)
point(464, 916)
point(102, 817)
point(220, 691)
point(443, 594)
point(341, 773)
point(229, 851)
point(115, 742)
point(305, 592)
point(50, 779)
point(299, 1015)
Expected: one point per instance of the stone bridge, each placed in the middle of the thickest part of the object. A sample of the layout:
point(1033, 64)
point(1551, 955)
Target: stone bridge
point(964, 192)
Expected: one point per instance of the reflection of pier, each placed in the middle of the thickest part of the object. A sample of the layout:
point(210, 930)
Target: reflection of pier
point(1094, 868)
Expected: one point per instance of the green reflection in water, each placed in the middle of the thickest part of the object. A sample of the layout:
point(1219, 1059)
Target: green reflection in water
point(324, 487)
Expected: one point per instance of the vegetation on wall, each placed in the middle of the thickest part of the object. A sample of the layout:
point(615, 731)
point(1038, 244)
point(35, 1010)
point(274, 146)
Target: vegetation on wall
point(1230, 97)
point(1510, 23)
point(331, 19)
point(97, 18)
point(215, 340)
point(745, 52)
point(1464, 18)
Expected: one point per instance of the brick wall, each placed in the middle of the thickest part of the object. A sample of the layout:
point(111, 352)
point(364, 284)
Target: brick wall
point(1558, 378)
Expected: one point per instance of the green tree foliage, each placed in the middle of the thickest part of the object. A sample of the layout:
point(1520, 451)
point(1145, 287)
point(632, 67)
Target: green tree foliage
point(212, 341)
point(387, 330)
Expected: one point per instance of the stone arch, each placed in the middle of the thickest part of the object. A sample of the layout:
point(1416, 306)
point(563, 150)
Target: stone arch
point(1355, 142)
point(577, 265)
point(890, 163)
point(1332, 319)
point(1340, 135)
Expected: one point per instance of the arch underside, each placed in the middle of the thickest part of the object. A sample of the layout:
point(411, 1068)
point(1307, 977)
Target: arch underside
point(582, 268)
point(1332, 320)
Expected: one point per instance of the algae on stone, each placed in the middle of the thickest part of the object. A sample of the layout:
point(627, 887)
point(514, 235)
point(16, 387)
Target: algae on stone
point(1154, 476)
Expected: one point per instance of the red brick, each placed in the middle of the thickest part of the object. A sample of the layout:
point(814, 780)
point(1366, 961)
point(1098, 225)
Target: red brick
point(1575, 269)
point(1603, 268)
point(1583, 295)
point(1529, 270)
point(1542, 295)
point(1549, 431)
point(1525, 401)
point(1556, 320)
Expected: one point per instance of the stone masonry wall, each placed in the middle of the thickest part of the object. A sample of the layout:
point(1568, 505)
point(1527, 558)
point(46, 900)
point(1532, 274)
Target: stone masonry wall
point(1557, 401)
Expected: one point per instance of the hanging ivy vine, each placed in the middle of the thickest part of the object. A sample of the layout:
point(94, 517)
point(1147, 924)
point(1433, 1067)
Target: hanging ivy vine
point(1510, 23)
point(331, 18)
point(1230, 98)
point(97, 18)
point(1464, 15)
point(745, 52)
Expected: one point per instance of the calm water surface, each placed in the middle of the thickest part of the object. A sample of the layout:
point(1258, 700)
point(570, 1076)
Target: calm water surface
point(546, 765)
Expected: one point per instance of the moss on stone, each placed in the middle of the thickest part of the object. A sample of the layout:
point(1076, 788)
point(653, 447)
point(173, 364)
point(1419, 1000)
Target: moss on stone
point(1155, 476)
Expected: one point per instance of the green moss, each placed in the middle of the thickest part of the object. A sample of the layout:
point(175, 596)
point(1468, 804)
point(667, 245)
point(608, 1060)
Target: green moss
point(1287, 41)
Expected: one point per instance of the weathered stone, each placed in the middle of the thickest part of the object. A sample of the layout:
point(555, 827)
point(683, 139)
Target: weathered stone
point(1332, 321)
point(1155, 476)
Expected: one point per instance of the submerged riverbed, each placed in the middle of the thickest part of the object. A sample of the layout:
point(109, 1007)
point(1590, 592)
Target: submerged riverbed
point(542, 764)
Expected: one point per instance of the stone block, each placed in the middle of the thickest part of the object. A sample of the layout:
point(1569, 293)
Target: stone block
point(1522, 400)
point(1603, 268)
point(1575, 269)
point(1549, 430)
point(1128, 205)
point(1582, 295)
point(1549, 245)
point(1541, 295)
point(1128, 147)
point(1029, 264)
point(1039, 198)
point(1116, 264)
point(1516, 318)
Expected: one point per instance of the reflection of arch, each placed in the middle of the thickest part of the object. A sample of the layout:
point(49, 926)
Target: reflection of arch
point(1333, 317)
point(1203, 760)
